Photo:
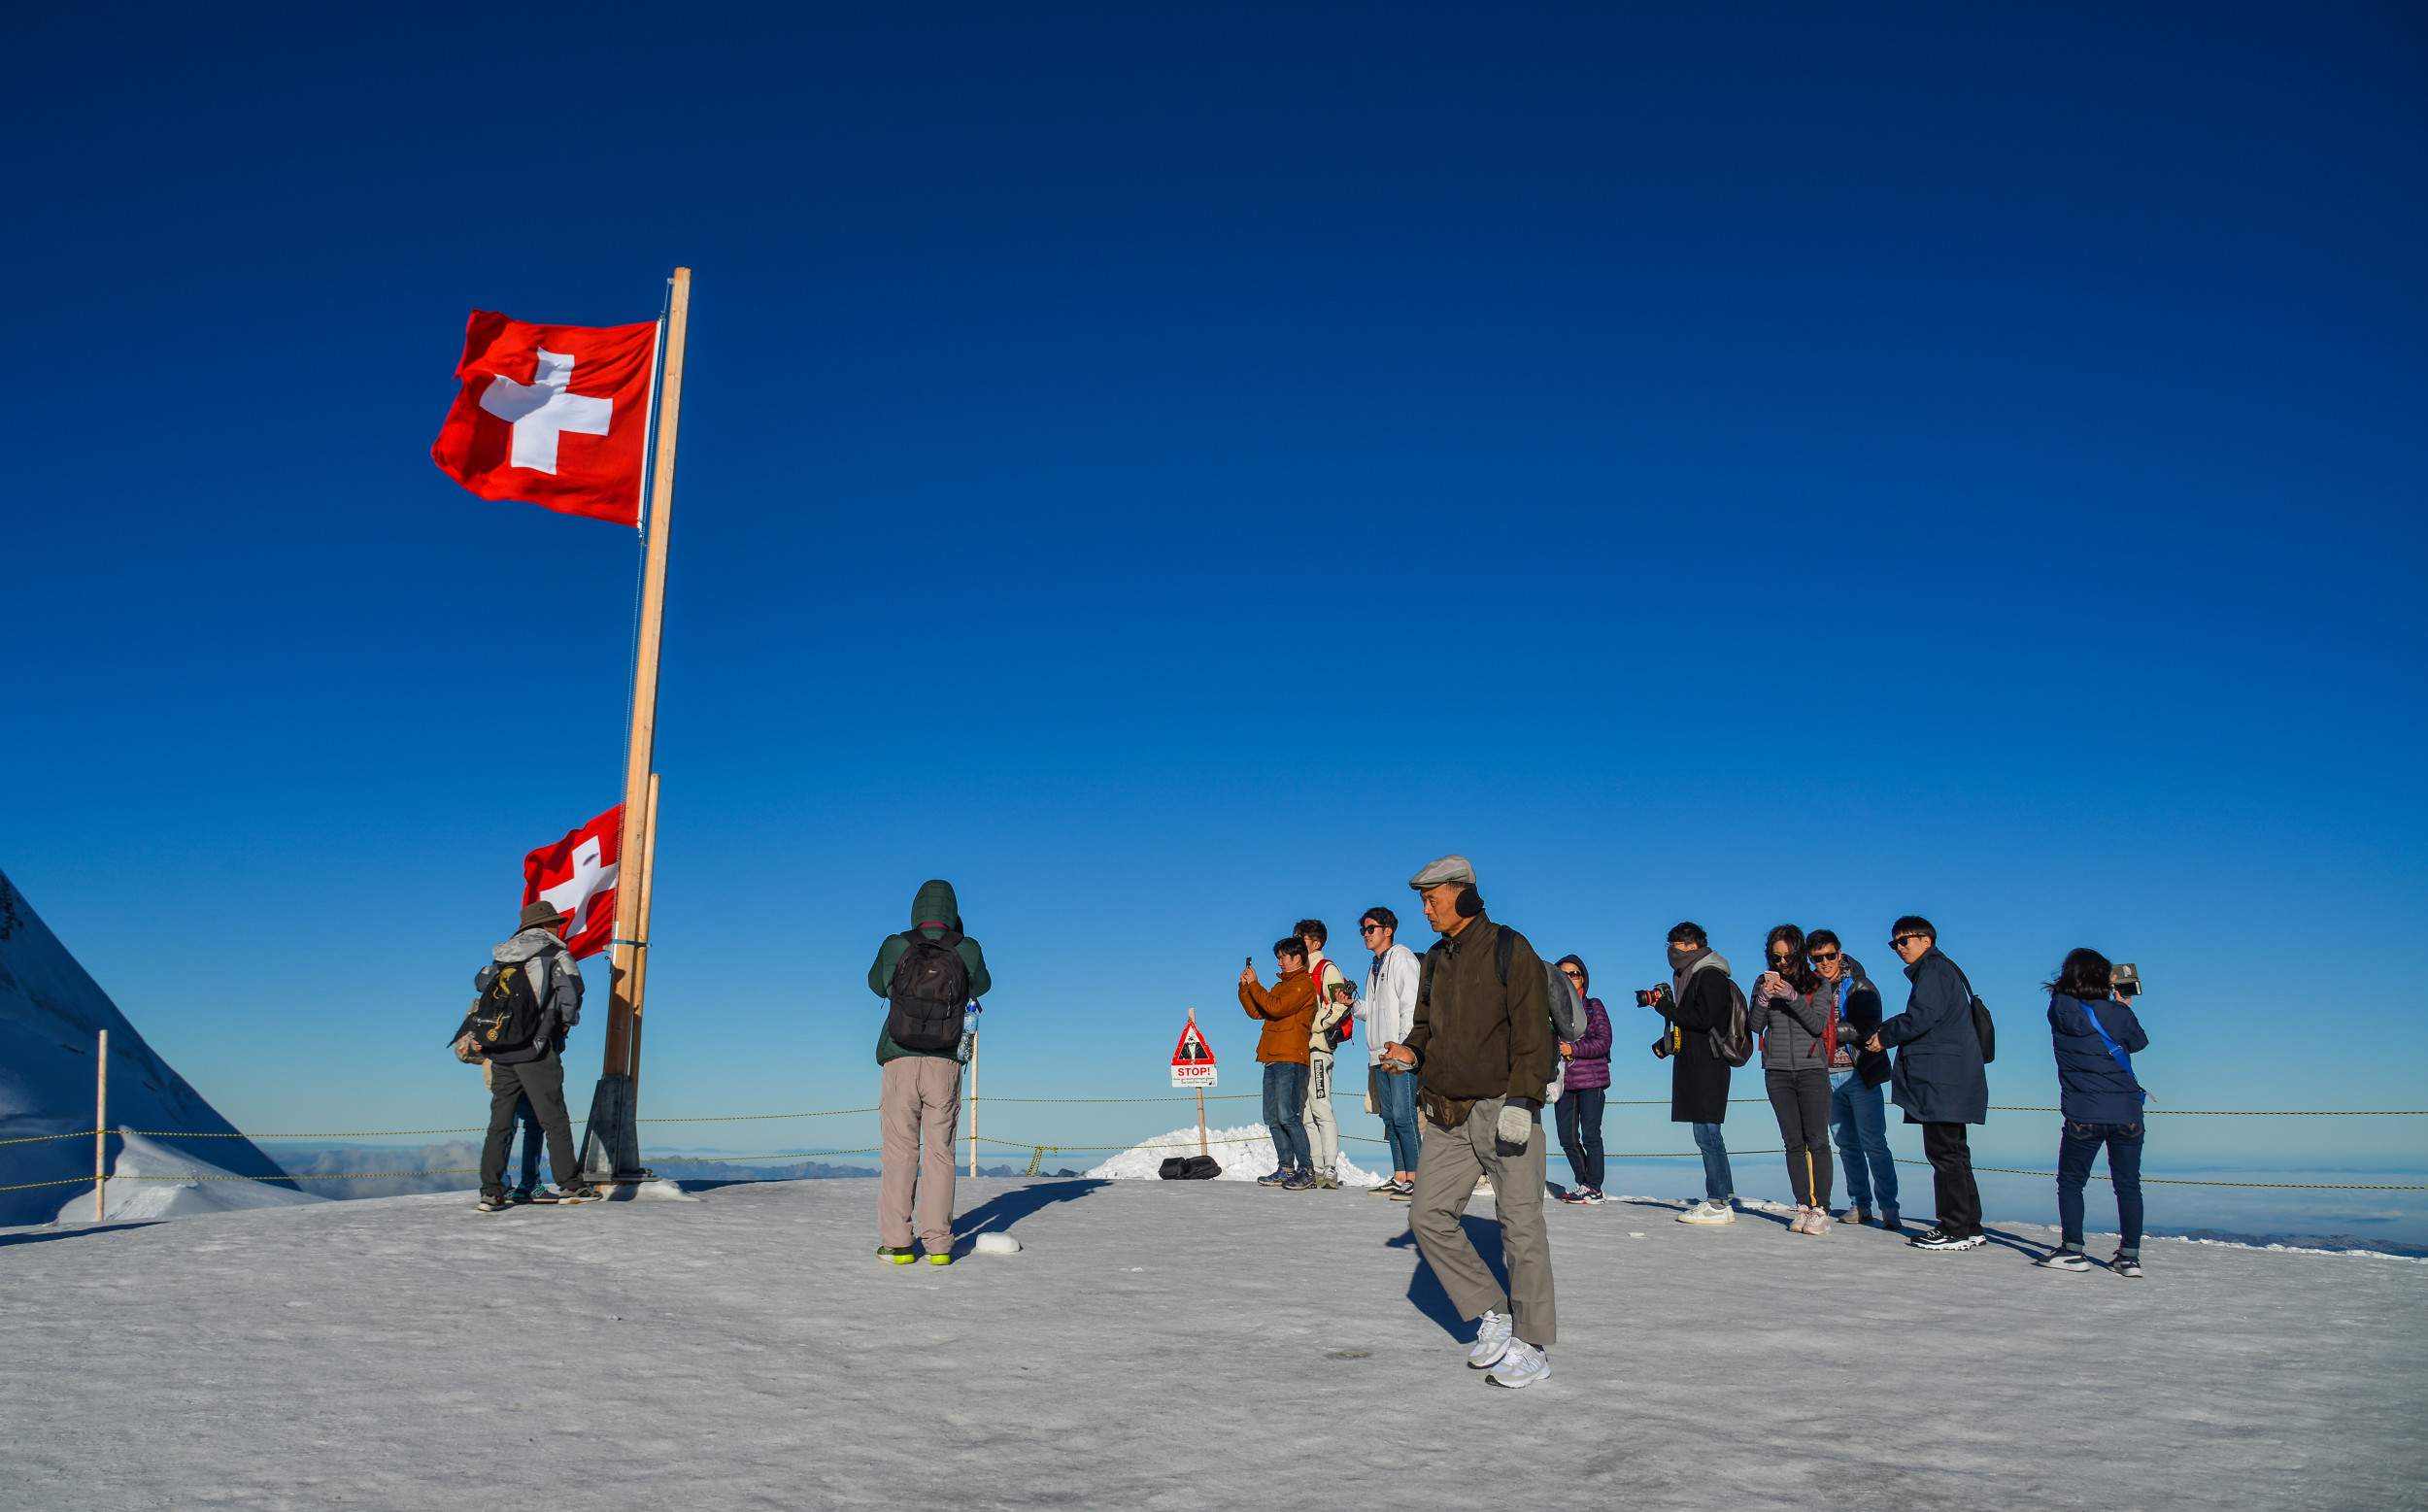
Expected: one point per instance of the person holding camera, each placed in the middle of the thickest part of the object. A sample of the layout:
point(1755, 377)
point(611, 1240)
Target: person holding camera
point(1288, 1013)
point(1796, 1025)
point(1698, 998)
point(1481, 1044)
point(1939, 1079)
point(2095, 1035)
point(1858, 1116)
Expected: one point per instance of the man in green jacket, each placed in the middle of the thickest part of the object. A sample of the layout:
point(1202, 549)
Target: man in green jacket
point(919, 1087)
point(1483, 1046)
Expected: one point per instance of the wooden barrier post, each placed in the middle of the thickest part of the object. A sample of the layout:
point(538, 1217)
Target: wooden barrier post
point(101, 1129)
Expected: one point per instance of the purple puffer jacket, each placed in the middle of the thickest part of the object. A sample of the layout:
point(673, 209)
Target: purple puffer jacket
point(1590, 1066)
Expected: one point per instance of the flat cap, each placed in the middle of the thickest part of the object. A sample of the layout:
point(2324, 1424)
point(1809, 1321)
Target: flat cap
point(1450, 868)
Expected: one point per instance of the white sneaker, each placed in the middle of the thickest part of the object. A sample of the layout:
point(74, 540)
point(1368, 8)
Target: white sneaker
point(1708, 1211)
point(1493, 1332)
point(1523, 1365)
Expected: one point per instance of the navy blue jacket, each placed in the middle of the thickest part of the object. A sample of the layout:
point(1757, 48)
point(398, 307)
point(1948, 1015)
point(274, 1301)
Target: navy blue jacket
point(1938, 1078)
point(2092, 1088)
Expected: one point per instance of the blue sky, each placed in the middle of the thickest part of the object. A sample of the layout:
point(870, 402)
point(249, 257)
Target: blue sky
point(1174, 472)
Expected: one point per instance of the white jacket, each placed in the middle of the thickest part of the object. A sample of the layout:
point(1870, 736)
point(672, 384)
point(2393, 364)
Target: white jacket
point(1389, 1006)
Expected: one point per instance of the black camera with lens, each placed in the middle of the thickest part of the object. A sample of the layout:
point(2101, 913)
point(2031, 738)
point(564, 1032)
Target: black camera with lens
point(1653, 997)
point(2126, 980)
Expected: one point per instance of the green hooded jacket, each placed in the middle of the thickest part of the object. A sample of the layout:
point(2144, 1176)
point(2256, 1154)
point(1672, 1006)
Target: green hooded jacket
point(934, 913)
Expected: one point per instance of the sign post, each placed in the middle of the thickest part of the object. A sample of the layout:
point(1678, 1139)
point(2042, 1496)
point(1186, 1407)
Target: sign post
point(1193, 1066)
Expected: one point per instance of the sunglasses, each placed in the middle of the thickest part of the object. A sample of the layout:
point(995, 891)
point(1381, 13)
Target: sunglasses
point(1899, 942)
point(1370, 928)
point(1820, 959)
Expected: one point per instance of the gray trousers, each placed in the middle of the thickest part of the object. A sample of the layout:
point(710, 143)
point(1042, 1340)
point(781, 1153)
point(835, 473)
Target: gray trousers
point(543, 1081)
point(1447, 1169)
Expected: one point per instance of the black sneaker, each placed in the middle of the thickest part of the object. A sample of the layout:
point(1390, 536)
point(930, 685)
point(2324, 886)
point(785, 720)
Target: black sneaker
point(1280, 1176)
point(539, 1194)
point(1942, 1239)
point(2126, 1264)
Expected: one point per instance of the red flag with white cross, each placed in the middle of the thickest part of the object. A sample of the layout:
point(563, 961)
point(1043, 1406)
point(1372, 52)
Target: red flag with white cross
point(578, 875)
point(552, 414)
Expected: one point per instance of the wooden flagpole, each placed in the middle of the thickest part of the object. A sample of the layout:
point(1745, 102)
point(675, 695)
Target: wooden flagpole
point(640, 936)
point(620, 1155)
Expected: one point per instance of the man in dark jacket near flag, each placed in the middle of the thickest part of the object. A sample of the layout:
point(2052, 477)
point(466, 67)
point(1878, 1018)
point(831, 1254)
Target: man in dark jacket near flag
point(919, 1094)
point(536, 1070)
point(1939, 1079)
point(1483, 1046)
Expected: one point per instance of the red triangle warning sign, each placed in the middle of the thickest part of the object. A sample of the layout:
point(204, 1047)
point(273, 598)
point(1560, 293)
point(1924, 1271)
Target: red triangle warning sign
point(1192, 1059)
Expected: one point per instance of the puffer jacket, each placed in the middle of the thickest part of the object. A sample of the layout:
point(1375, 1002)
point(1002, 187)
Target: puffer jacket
point(1790, 1025)
point(2091, 1087)
point(1589, 1059)
point(1288, 1010)
point(556, 982)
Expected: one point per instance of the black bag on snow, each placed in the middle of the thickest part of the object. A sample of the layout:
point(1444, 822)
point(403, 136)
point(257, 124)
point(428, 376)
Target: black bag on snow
point(931, 987)
point(1172, 1169)
point(506, 1015)
point(1200, 1167)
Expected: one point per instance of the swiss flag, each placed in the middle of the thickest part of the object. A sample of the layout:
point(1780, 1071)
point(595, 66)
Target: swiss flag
point(578, 875)
point(551, 415)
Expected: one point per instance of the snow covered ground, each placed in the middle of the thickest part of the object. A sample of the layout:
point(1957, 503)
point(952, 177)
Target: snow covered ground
point(149, 1179)
point(1245, 1153)
point(1169, 1345)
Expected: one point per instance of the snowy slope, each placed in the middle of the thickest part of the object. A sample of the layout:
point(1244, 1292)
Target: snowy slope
point(1245, 1153)
point(50, 1017)
point(149, 1179)
point(1172, 1345)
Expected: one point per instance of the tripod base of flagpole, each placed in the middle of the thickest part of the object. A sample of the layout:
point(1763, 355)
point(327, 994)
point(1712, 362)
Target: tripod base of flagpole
point(611, 1145)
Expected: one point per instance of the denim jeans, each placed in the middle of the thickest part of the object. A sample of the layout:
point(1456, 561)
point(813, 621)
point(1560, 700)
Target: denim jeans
point(1285, 1117)
point(529, 1119)
point(2075, 1153)
point(1717, 1184)
point(1581, 1133)
point(1859, 1128)
point(1394, 1099)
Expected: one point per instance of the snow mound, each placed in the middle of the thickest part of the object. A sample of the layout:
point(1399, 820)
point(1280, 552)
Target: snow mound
point(205, 1188)
point(1245, 1153)
point(996, 1244)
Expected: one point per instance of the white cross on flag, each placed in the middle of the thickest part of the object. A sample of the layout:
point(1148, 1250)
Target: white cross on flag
point(551, 415)
point(578, 875)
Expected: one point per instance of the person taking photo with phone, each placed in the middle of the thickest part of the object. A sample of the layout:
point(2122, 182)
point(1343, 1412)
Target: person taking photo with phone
point(1797, 1024)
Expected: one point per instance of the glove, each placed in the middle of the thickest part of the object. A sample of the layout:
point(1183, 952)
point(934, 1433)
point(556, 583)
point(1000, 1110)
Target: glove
point(1516, 1126)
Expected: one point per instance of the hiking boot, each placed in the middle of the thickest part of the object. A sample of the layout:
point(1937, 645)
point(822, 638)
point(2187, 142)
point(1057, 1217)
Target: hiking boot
point(1942, 1239)
point(496, 1204)
point(1299, 1181)
point(1523, 1365)
point(1279, 1175)
point(2064, 1259)
point(1708, 1214)
point(2125, 1265)
point(893, 1255)
point(1494, 1333)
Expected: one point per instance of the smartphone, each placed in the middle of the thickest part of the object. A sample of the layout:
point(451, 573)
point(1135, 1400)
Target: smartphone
point(1249, 963)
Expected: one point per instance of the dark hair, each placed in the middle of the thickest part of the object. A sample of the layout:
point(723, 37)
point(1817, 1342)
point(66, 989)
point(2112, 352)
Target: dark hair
point(1798, 971)
point(2085, 977)
point(1820, 937)
point(1914, 924)
point(1293, 946)
point(1312, 928)
point(1381, 916)
point(1578, 962)
point(1689, 934)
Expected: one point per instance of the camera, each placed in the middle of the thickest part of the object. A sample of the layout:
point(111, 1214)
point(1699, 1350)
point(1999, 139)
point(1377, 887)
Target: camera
point(2126, 980)
point(1653, 997)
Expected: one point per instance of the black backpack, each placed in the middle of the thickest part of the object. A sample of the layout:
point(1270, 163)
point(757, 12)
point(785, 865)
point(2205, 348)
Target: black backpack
point(931, 987)
point(506, 1015)
point(1194, 1167)
point(1983, 1028)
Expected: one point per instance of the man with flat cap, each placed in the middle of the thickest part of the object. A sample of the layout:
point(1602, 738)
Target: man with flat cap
point(1483, 1046)
point(528, 996)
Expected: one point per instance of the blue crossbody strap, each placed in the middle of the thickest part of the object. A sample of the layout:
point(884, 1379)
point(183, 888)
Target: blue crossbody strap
point(2119, 1051)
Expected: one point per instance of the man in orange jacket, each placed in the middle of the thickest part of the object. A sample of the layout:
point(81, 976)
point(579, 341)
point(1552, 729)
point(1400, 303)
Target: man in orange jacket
point(1289, 1015)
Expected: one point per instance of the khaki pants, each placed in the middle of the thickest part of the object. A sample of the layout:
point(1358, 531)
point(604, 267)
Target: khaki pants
point(1323, 1131)
point(1447, 1169)
point(917, 1096)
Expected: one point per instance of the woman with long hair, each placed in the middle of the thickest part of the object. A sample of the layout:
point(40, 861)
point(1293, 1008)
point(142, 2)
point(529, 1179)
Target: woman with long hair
point(2095, 1035)
point(1798, 1025)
